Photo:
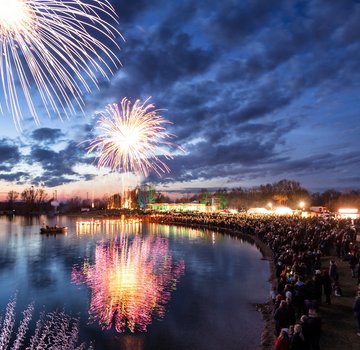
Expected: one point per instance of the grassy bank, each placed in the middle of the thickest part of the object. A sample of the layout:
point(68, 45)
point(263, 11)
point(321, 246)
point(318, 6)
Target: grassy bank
point(338, 323)
point(339, 326)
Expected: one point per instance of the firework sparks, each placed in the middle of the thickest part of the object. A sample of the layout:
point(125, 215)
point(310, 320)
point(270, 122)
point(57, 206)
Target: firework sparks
point(131, 138)
point(49, 44)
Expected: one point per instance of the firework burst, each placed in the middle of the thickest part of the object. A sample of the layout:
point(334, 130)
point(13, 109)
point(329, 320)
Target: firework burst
point(57, 47)
point(132, 138)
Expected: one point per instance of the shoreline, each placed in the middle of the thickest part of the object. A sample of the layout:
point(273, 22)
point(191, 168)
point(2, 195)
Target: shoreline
point(267, 338)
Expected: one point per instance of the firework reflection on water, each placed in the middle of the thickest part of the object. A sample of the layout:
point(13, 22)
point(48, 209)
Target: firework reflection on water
point(130, 281)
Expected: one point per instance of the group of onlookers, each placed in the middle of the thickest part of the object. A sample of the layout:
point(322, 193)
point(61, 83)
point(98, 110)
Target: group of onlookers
point(298, 297)
point(302, 335)
point(297, 246)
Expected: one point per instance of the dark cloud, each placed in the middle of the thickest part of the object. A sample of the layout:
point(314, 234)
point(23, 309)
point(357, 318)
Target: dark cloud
point(127, 11)
point(155, 67)
point(58, 166)
point(9, 155)
point(266, 102)
point(348, 34)
point(19, 177)
point(47, 135)
point(232, 22)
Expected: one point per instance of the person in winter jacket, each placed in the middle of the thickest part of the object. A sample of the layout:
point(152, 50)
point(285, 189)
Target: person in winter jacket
point(282, 341)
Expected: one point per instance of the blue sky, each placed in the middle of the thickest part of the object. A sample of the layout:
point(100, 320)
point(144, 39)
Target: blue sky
point(257, 91)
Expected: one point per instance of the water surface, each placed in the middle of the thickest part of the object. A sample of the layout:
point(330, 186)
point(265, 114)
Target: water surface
point(137, 285)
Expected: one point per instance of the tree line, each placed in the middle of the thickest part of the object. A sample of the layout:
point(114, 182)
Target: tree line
point(31, 200)
point(284, 192)
point(35, 200)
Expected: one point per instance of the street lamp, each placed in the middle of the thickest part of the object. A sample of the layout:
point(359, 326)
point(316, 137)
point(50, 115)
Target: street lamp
point(302, 205)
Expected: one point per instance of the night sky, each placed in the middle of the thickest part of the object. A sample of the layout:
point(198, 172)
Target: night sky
point(257, 91)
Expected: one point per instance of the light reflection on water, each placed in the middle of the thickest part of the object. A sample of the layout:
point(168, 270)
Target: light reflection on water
point(211, 307)
point(109, 226)
point(130, 281)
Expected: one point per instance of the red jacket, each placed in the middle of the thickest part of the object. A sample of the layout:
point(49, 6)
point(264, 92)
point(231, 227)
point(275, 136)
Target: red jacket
point(282, 343)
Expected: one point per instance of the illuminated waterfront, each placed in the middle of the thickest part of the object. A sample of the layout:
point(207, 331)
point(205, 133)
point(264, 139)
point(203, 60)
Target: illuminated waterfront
point(136, 284)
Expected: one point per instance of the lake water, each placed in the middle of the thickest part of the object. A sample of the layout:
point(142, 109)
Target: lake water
point(136, 286)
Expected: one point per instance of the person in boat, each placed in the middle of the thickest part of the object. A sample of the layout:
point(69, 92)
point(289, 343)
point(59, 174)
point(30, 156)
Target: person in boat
point(44, 226)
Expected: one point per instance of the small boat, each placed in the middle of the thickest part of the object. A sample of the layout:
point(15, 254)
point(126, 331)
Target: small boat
point(53, 229)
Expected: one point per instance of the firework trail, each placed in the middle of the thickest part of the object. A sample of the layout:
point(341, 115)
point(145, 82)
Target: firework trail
point(50, 46)
point(131, 138)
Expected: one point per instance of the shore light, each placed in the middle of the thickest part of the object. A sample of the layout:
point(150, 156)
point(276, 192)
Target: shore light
point(348, 213)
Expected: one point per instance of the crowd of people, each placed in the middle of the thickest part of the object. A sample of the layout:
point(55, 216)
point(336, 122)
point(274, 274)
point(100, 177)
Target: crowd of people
point(301, 283)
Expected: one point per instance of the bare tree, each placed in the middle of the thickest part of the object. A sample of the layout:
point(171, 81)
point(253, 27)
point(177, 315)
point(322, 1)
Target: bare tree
point(12, 196)
point(40, 196)
point(33, 197)
point(28, 196)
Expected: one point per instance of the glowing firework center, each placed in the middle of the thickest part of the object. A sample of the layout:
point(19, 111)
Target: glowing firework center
point(15, 16)
point(47, 46)
point(130, 282)
point(131, 137)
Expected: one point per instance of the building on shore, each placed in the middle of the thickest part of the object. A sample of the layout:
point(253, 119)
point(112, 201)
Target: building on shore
point(181, 207)
point(348, 213)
